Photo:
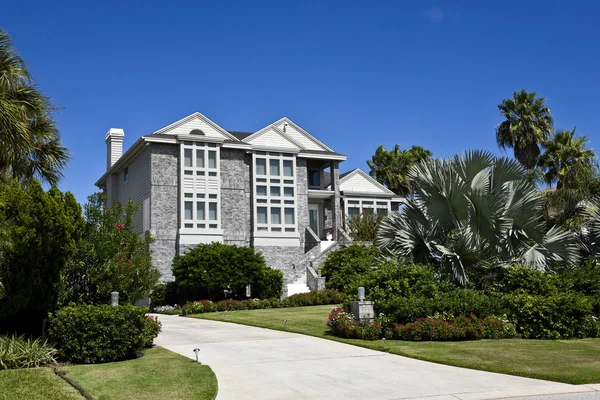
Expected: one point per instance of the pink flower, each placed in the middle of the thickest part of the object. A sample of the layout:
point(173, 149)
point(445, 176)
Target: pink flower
point(122, 259)
point(129, 261)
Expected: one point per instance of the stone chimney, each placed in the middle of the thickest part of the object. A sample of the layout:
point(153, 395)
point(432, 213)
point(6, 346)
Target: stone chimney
point(114, 146)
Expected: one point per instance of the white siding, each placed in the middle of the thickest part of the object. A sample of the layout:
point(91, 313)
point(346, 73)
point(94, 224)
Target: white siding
point(358, 183)
point(273, 139)
point(137, 187)
point(196, 123)
point(301, 138)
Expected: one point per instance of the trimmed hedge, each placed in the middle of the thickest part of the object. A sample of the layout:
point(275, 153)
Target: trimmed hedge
point(297, 300)
point(91, 334)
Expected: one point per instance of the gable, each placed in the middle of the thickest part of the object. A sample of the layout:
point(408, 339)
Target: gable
point(299, 135)
point(270, 137)
point(195, 121)
point(359, 182)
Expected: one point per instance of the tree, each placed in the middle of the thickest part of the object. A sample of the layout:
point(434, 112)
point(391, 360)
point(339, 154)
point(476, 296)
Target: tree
point(472, 211)
point(564, 157)
point(44, 228)
point(390, 168)
point(363, 227)
point(527, 125)
point(29, 138)
point(111, 256)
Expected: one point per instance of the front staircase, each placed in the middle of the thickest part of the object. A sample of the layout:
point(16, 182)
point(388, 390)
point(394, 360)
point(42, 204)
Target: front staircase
point(313, 259)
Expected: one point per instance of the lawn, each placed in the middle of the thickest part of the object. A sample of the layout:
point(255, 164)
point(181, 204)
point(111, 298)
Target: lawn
point(160, 374)
point(35, 384)
point(569, 361)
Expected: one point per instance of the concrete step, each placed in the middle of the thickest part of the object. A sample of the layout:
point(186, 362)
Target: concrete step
point(295, 288)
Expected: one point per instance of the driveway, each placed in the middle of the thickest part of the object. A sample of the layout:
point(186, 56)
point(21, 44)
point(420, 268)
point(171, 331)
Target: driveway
point(255, 363)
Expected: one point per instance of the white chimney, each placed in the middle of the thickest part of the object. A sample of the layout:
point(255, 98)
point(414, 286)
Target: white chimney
point(114, 146)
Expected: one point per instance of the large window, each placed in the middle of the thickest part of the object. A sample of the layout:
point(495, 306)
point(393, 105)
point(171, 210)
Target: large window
point(274, 192)
point(357, 206)
point(200, 186)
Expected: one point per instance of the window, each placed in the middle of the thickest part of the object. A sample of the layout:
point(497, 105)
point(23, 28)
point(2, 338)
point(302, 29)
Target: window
point(125, 174)
point(355, 207)
point(274, 167)
point(288, 168)
point(314, 178)
point(196, 132)
point(200, 186)
point(261, 166)
point(271, 190)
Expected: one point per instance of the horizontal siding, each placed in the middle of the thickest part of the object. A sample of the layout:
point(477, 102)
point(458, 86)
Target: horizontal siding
point(273, 139)
point(137, 187)
point(301, 138)
point(359, 183)
point(196, 123)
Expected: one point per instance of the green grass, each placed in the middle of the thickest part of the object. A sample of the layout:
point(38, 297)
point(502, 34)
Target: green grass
point(569, 361)
point(159, 374)
point(35, 384)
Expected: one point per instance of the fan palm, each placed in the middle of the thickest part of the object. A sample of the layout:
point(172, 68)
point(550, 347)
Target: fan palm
point(390, 168)
point(29, 137)
point(527, 125)
point(564, 157)
point(472, 209)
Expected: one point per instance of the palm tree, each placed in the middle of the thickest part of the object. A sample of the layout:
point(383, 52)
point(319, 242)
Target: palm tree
point(564, 157)
point(29, 138)
point(527, 126)
point(473, 210)
point(390, 168)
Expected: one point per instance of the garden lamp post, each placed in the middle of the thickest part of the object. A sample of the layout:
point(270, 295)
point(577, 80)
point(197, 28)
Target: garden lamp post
point(196, 351)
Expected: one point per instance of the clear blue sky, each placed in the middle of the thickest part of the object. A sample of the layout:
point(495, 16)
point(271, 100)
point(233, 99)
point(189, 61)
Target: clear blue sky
point(355, 74)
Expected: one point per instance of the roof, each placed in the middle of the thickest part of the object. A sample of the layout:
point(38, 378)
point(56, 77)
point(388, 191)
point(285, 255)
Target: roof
point(240, 135)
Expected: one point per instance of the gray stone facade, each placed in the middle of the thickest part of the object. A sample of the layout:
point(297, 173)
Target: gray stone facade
point(236, 199)
point(164, 201)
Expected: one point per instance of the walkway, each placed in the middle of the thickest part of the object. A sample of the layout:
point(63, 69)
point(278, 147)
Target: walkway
point(255, 363)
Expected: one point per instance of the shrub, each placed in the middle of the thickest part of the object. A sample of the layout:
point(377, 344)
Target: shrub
point(163, 294)
point(343, 324)
point(342, 266)
point(111, 256)
point(590, 326)
point(170, 310)
point(19, 352)
point(208, 270)
point(520, 278)
point(455, 328)
point(152, 328)
point(269, 285)
point(297, 300)
point(92, 334)
point(41, 232)
point(549, 317)
point(363, 227)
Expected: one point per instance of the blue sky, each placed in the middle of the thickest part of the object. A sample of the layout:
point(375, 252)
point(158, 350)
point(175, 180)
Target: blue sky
point(355, 74)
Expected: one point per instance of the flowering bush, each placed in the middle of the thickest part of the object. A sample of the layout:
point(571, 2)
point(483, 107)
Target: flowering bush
point(440, 328)
point(297, 300)
point(172, 310)
point(343, 324)
point(152, 327)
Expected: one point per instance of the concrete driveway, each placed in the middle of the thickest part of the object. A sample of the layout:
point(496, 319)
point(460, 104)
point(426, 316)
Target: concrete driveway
point(255, 363)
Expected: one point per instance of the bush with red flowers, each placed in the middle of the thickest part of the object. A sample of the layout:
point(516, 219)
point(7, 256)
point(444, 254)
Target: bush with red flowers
point(343, 324)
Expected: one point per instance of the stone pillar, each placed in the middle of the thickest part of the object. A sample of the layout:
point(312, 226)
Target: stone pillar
point(336, 206)
point(363, 310)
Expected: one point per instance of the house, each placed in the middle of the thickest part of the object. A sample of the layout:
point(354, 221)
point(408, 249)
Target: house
point(278, 190)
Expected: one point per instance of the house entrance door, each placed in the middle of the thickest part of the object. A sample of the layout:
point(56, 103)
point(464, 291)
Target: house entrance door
point(314, 218)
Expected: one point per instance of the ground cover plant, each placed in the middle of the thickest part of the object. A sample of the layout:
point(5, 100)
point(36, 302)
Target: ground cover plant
point(568, 361)
point(23, 352)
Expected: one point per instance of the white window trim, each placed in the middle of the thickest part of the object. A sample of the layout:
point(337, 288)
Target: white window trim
point(269, 232)
point(206, 146)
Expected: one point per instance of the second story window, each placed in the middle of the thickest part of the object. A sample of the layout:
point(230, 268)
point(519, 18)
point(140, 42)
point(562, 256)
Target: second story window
point(314, 178)
point(200, 184)
point(274, 192)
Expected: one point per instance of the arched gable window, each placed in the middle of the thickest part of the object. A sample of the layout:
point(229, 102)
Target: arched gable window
point(196, 132)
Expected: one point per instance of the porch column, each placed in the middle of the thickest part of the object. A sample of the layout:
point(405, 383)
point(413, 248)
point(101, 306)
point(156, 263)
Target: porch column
point(336, 206)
